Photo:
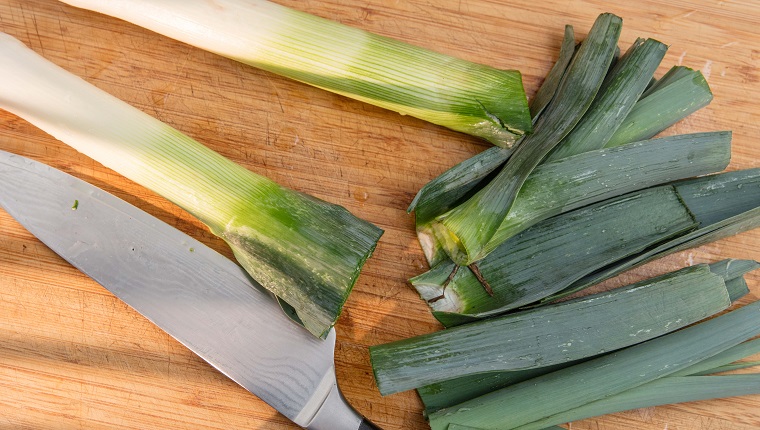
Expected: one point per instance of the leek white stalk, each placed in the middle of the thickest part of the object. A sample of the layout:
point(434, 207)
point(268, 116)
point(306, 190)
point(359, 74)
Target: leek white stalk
point(308, 252)
point(464, 96)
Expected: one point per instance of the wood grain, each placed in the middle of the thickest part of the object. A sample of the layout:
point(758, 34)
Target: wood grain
point(74, 357)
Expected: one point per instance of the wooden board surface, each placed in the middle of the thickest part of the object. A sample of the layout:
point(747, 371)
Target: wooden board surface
point(74, 357)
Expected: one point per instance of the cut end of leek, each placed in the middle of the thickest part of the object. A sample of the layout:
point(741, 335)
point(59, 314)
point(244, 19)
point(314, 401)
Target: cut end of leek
point(310, 256)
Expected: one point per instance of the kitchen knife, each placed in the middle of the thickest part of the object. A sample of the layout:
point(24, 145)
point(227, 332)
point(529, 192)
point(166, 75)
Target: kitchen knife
point(196, 295)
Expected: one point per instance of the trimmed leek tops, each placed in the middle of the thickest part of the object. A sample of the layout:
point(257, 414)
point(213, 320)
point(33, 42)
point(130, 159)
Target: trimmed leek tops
point(306, 251)
point(463, 96)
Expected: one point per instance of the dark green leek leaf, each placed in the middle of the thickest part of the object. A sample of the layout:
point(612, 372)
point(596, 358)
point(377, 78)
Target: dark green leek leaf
point(552, 254)
point(713, 364)
point(670, 100)
point(454, 391)
point(621, 89)
point(575, 386)
point(673, 75)
point(593, 176)
point(663, 391)
point(457, 390)
point(730, 367)
point(737, 288)
point(471, 225)
point(553, 334)
point(545, 94)
point(675, 389)
point(724, 204)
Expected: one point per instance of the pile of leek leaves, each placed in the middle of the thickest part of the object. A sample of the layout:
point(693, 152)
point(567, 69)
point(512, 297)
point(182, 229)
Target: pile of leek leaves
point(589, 194)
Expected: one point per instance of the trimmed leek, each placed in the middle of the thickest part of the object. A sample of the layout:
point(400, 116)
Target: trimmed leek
point(468, 228)
point(307, 251)
point(557, 333)
point(463, 96)
point(575, 386)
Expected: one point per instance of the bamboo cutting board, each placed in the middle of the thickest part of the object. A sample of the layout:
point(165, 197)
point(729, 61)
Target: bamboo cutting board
point(74, 357)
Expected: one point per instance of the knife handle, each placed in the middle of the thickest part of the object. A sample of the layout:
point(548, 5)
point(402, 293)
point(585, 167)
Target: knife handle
point(337, 414)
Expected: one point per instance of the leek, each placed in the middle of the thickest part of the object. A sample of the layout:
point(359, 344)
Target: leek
point(445, 192)
point(553, 334)
point(718, 362)
point(575, 250)
point(463, 96)
point(688, 385)
point(554, 393)
point(593, 176)
point(675, 388)
point(306, 251)
point(676, 95)
point(659, 392)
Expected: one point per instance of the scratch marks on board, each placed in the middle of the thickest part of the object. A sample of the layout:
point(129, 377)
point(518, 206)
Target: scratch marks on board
point(707, 69)
point(681, 57)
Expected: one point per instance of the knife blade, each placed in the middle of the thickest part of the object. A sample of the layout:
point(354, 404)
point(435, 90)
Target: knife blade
point(196, 295)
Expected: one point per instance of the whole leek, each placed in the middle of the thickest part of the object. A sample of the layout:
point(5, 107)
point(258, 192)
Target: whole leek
point(306, 251)
point(464, 96)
